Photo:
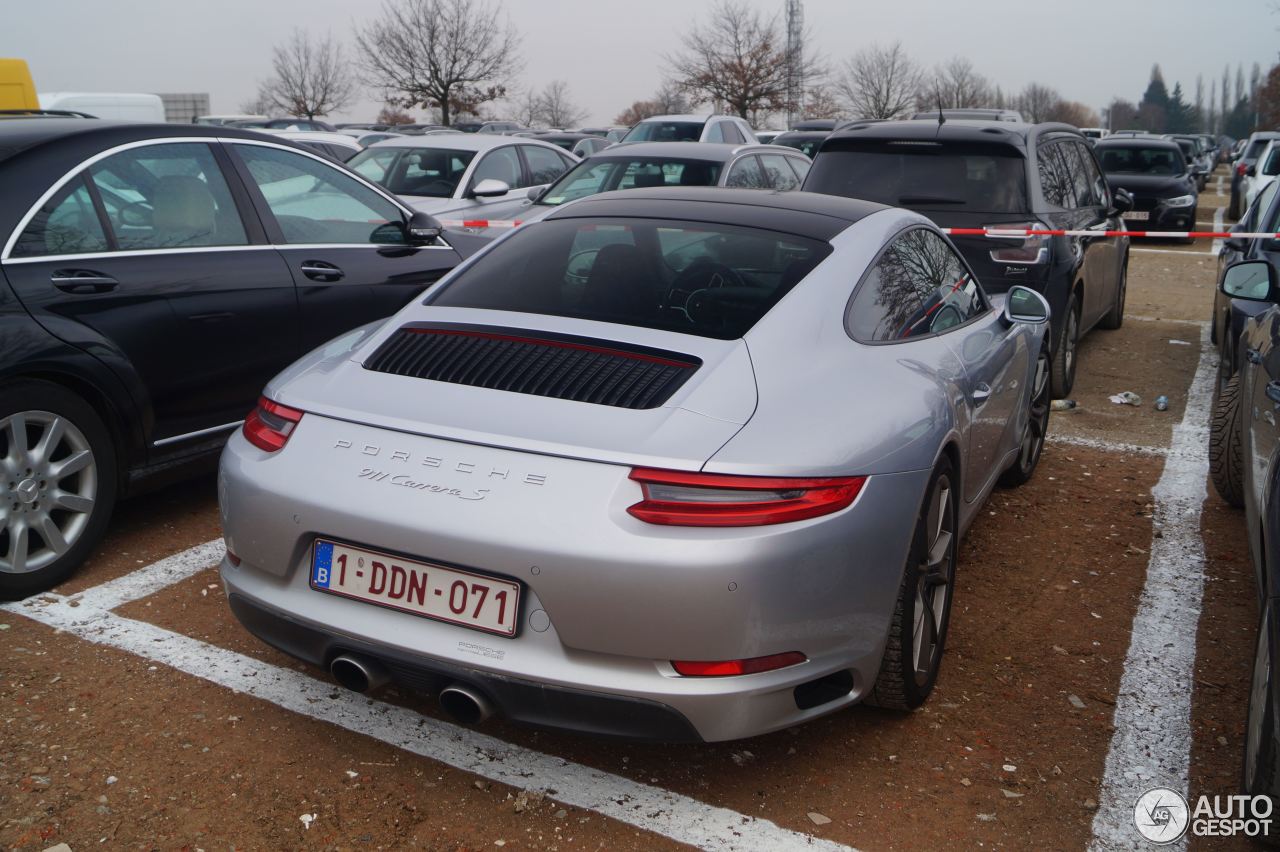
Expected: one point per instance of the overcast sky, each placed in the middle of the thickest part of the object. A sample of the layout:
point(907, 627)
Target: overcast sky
point(610, 51)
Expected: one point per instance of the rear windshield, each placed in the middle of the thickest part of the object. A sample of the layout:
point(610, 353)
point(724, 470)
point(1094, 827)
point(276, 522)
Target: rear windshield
point(1137, 160)
point(1255, 149)
point(604, 175)
point(666, 131)
point(699, 278)
point(432, 172)
point(925, 176)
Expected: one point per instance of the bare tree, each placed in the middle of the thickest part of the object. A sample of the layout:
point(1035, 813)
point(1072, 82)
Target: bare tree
point(1036, 101)
point(450, 55)
point(255, 105)
point(1122, 115)
point(739, 59)
point(557, 108)
point(1200, 115)
point(955, 85)
point(671, 100)
point(391, 115)
point(1073, 113)
point(310, 77)
point(880, 82)
point(822, 101)
point(526, 107)
point(639, 111)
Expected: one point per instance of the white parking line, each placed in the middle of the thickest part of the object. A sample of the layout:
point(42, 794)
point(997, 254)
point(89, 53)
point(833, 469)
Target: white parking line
point(147, 581)
point(1186, 253)
point(1217, 186)
point(672, 815)
point(1166, 319)
point(1218, 226)
point(1105, 446)
point(1152, 742)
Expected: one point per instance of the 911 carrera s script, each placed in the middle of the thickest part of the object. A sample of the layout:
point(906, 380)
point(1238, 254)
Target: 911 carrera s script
point(405, 481)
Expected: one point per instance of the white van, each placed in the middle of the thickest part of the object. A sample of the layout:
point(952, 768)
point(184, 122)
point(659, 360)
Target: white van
point(107, 105)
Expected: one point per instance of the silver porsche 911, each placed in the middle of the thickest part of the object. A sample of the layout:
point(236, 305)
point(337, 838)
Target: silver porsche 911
point(669, 464)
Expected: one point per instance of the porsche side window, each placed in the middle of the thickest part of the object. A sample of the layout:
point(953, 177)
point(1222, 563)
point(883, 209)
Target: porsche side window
point(918, 287)
point(746, 174)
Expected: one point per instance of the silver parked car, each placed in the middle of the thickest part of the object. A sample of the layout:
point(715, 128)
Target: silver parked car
point(461, 174)
point(671, 463)
point(645, 165)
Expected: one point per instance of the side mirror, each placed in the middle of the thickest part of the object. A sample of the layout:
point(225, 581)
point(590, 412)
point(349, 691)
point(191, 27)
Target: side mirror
point(1251, 171)
point(1122, 200)
point(1236, 244)
point(1254, 280)
point(422, 229)
point(1023, 304)
point(535, 193)
point(490, 188)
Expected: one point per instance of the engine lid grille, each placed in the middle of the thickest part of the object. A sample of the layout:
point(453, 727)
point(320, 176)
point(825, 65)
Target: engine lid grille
point(581, 369)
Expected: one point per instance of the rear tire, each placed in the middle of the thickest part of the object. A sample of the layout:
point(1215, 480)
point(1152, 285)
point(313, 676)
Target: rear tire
point(1037, 427)
point(1226, 464)
point(918, 631)
point(1115, 317)
point(1064, 355)
point(57, 485)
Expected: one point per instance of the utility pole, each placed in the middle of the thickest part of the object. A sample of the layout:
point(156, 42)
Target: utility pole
point(795, 61)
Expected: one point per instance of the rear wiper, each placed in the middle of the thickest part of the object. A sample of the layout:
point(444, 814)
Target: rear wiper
point(929, 199)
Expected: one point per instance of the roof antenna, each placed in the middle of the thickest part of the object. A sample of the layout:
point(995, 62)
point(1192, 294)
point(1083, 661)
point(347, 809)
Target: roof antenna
point(942, 119)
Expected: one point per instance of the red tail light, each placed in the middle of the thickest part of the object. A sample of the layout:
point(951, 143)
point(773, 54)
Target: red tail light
point(677, 498)
point(269, 426)
point(1021, 250)
point(728, 668)
point(1240, 169)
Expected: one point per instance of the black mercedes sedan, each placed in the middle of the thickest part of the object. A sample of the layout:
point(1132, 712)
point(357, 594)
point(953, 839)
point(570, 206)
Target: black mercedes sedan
point(1156, 173)
point(152, 279)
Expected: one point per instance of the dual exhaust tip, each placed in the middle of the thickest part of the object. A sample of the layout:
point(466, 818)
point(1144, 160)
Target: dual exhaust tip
point(361, 674)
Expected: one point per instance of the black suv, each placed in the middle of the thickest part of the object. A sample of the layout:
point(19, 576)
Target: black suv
point(153, 278)
point(973, 174)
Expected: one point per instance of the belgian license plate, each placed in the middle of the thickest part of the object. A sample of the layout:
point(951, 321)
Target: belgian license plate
point(1137, 215)
point(421, 588)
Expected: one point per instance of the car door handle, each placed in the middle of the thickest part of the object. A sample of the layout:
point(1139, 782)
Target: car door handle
point(82, 281)
point(981, 393)
point(1254, 356)
point(1273, 391)
point(318, 270)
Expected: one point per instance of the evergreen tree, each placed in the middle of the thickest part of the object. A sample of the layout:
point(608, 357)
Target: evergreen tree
point(1239, 122)
point(1156, 93)
point(1179, 117)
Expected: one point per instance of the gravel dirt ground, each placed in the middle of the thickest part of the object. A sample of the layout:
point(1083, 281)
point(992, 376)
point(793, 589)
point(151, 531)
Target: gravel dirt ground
point(1047, 587)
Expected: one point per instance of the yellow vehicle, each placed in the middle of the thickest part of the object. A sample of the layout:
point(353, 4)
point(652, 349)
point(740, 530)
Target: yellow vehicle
point(16, 89)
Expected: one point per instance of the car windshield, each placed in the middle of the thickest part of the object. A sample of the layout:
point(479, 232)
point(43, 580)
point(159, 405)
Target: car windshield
point(1137, 160)
point(666, 131)
point(925, 176)
point(604, 175)
point(700, 278)
point(430, 172)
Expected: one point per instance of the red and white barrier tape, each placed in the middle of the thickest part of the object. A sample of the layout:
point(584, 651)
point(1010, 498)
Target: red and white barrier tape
point(478, 223)
point(994, 233)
